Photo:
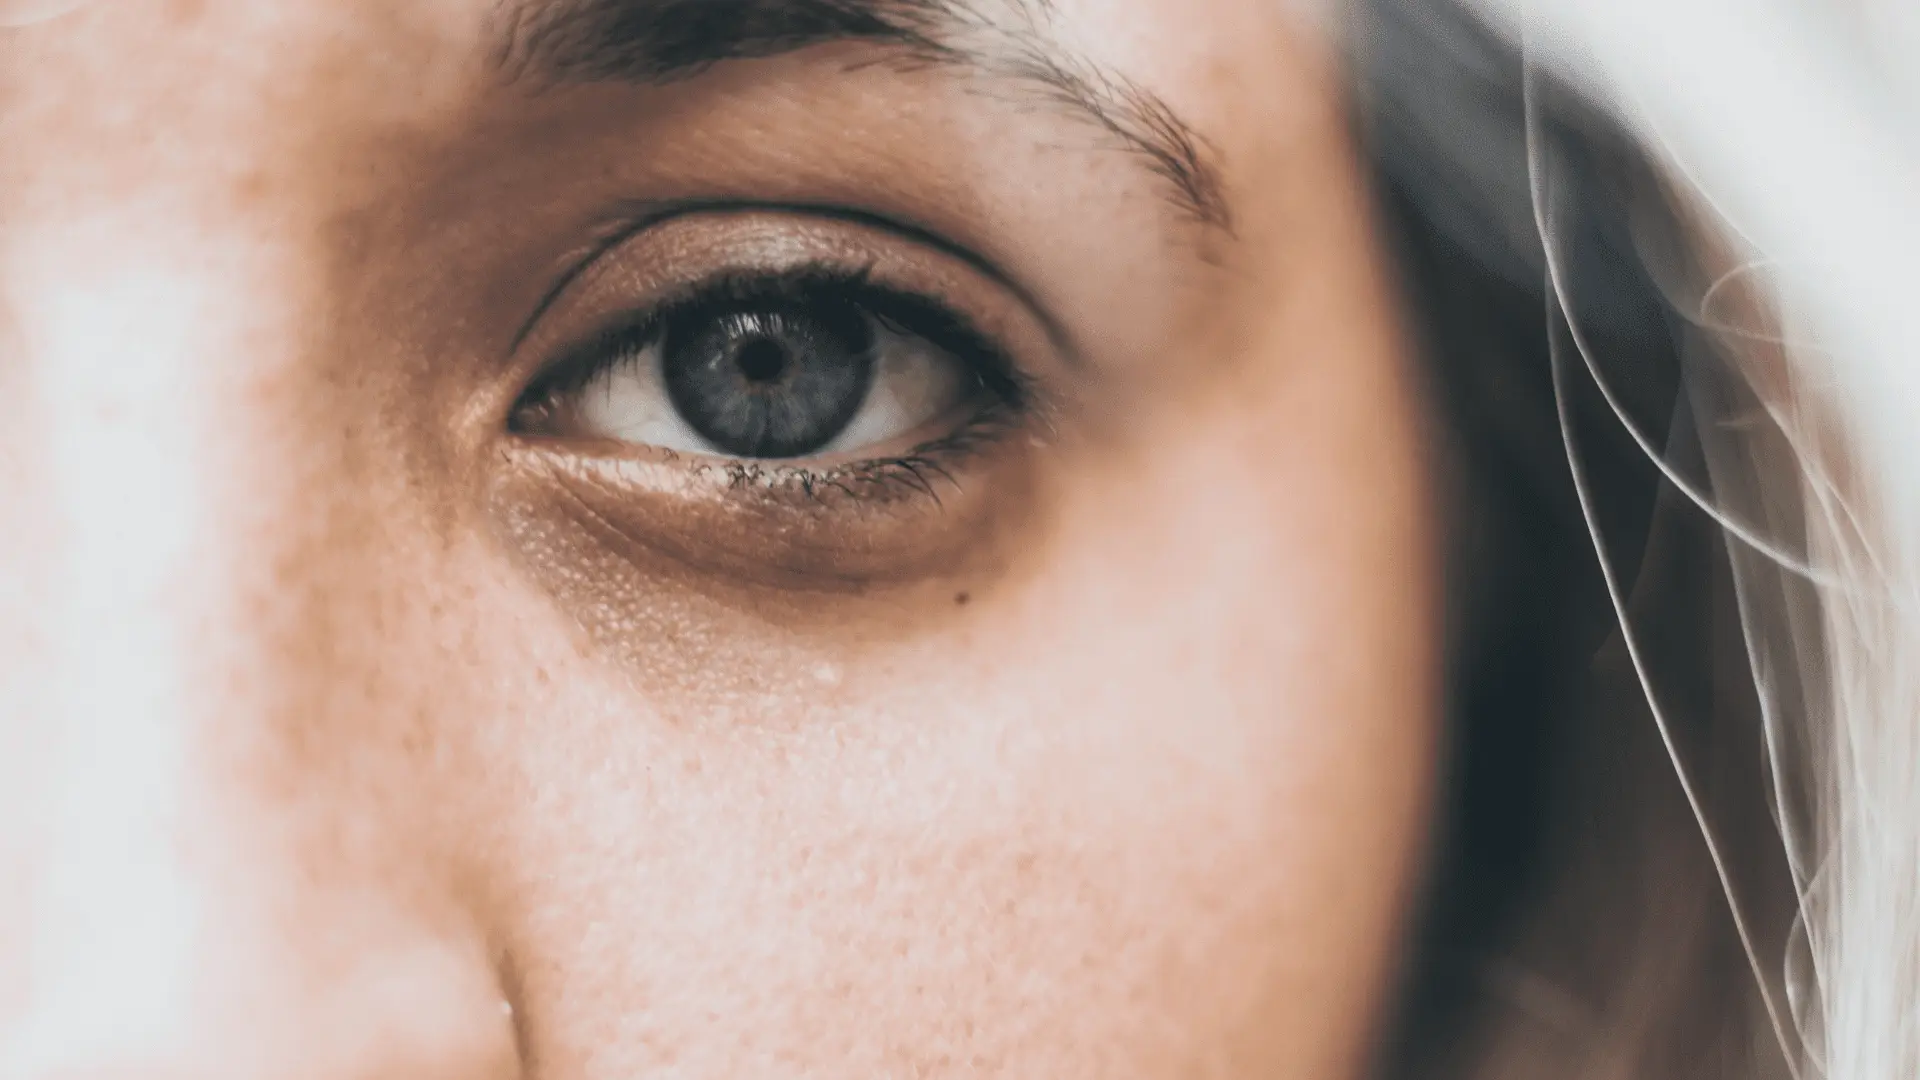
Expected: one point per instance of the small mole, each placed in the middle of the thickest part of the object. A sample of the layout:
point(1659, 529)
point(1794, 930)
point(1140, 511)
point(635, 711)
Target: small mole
point(963, 599)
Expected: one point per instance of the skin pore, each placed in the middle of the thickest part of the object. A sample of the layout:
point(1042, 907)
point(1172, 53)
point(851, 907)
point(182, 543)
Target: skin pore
point(370, 707)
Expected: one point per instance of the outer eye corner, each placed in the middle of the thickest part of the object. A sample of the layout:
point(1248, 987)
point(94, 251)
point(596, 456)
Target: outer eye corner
point(535, 413)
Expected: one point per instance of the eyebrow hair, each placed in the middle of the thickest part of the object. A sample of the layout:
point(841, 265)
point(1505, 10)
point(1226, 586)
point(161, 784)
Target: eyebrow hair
point(663, 41)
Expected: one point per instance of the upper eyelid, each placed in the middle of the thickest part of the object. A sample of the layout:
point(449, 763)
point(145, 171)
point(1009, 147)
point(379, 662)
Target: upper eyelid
point(987, 358)
point(628, 222)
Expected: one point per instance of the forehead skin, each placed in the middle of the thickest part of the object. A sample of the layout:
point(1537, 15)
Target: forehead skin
point(337, 745)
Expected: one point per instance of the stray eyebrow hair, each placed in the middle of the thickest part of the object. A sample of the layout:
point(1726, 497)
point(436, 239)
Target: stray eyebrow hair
point(662, 41)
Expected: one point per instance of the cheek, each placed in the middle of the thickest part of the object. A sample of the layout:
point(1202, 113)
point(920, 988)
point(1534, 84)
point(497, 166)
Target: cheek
point(1151, 801)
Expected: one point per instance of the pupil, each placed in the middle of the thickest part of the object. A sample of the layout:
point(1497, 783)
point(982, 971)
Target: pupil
point(761, 361)
point(774, 380)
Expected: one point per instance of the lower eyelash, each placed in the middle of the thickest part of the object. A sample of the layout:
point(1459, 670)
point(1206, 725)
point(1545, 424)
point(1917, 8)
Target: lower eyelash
point(920, 473)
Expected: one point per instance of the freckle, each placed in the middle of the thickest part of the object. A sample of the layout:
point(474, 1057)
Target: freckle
point(827, 675)
point(963, 599)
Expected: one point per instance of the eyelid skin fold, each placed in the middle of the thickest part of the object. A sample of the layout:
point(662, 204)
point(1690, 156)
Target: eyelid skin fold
point(840, 228)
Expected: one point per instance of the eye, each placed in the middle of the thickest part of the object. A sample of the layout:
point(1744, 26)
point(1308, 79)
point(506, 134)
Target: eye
point(783, 397)
point(804, 364)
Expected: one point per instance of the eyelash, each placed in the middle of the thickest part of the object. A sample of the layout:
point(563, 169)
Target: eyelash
point(1009, 395)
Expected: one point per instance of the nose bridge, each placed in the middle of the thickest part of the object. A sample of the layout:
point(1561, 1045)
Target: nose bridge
point(163, 910)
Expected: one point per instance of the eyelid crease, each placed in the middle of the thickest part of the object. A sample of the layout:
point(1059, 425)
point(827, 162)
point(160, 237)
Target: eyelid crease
point(637, 218)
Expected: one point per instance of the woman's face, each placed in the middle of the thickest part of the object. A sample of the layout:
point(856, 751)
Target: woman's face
point(699, 538)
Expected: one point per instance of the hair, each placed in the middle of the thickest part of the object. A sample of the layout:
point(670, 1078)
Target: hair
point(1647, 248)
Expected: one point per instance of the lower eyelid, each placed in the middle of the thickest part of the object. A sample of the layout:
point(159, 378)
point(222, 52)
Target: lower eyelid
point(741, 525)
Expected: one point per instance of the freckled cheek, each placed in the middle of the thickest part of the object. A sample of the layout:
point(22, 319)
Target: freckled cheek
point(1148, 789)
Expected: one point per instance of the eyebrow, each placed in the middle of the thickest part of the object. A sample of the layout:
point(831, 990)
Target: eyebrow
point(663, 41)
